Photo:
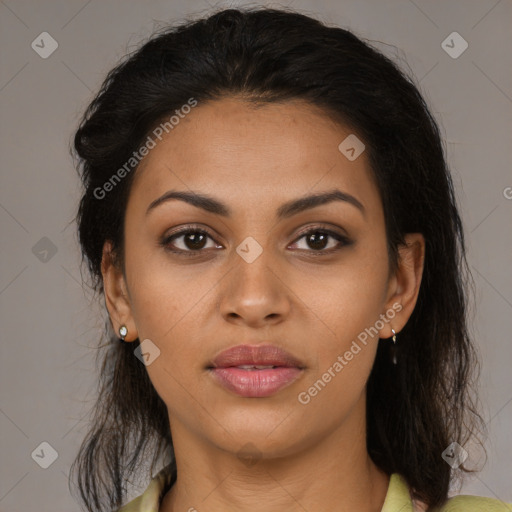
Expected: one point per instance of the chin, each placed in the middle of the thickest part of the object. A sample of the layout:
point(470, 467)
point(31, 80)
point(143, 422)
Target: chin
point(258, 435)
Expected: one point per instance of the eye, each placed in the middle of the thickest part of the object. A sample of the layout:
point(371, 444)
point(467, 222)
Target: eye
point(188, 240)
point(191, 241)
point(322, 240)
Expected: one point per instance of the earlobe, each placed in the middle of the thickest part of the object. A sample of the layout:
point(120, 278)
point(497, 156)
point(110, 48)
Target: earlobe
point(406, 282)
point(116, 295)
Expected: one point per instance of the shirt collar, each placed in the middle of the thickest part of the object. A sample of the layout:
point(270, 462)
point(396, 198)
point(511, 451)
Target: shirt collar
point(398, 498)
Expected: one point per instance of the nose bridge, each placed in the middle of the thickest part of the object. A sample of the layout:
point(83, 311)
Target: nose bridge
point(254, 290)
point(254, 270)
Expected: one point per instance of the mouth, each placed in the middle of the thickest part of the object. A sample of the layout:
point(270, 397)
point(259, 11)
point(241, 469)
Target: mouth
point(254, 367)
point(255, 371)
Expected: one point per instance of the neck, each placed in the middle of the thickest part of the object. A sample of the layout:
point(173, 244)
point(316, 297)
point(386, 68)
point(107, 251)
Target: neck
point(334, 473)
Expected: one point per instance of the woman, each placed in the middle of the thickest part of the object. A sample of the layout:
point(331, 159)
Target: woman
point(269, 215)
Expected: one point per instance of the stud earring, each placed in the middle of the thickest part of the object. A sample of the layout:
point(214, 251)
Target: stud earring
point(393, 348)
point(123, 331)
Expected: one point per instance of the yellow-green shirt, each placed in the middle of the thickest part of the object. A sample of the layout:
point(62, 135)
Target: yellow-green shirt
point(398, 498)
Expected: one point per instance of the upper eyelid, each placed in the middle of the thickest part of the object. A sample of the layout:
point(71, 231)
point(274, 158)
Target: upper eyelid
point(186, 228)
point(326, 229)
point(183, 231)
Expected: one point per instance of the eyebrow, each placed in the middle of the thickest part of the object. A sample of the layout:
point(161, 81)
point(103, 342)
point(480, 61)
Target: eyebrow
point(285, 211)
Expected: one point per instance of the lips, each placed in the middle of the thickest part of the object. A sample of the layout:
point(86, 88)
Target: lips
point(255, 371)
point(256, 355)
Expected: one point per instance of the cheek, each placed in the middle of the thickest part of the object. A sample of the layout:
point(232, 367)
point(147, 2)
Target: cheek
point(343, 306)
point(162, 294)
point(344, 299)
point(341, 321)
point(156, 306)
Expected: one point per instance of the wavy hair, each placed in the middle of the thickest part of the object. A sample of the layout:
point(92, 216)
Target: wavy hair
point(414, 410)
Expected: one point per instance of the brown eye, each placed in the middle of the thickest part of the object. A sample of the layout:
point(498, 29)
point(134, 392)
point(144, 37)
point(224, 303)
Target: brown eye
point(317, 240)
point(322, 240)
point(188, 240)
point(194, 240)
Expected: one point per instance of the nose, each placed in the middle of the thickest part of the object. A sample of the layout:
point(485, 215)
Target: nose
point(255, 293)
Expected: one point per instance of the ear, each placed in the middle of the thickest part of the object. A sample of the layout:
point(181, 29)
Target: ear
point(116, 293)
point(404, 285)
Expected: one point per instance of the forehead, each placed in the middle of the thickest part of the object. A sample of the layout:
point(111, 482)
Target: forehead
point(246, 154)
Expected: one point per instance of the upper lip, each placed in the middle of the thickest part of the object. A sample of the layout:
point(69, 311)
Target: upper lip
point(261, 355)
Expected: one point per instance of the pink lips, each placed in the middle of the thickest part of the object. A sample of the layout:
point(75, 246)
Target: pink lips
point(255, 371)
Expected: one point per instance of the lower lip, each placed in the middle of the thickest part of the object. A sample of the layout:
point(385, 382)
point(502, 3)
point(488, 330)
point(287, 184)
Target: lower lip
point(256, 383)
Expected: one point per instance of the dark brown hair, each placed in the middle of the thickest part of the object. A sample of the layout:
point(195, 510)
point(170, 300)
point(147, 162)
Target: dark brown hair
point(414, 410)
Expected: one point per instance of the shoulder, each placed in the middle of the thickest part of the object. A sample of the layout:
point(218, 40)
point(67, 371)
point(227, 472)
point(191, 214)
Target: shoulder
point(150, 500)
point(475, 504)
point(461, 503)
point(134, 505)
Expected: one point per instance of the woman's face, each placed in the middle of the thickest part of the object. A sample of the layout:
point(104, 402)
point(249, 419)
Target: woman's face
point(256, 277)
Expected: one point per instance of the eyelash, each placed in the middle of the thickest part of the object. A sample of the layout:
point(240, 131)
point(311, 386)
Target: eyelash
point(317, 229)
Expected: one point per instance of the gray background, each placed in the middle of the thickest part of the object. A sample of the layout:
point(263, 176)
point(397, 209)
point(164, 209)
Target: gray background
point(49, 328)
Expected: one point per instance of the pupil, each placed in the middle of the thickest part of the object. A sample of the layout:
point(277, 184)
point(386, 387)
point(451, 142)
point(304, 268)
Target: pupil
point(316, 238)
point(192, 239)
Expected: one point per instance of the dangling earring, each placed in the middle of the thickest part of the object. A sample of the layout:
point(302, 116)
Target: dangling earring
point(393, 348)
point(123, 331)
